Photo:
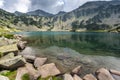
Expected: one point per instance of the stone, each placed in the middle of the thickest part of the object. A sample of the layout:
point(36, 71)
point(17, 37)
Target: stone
point(89, 77)
point(76, 77)
point(32, 71)
point(68, 77)
point(21, 45)
point(39, 62)
point(13, 63)
point(20, 72)
point(104, 74)
point(48, 70)
point(9, 48)
point(18, 36)
point(29, 58)
point(8, 56)
point(3, 77)
point(115, 72)
point(77, 70)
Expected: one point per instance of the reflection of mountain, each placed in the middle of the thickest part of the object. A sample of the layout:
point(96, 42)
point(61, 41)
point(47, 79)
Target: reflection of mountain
point(86, 43)
point(95, 15)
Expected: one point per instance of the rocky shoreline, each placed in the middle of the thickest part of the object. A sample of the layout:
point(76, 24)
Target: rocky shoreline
point(37, 68)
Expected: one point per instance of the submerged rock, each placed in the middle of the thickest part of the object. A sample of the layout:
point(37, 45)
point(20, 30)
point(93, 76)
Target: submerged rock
point(68, 77)
point(13, 63)
point(90, 77)
point(3, 78)
point(104, 74)
point(48, 70)
point(39, 62)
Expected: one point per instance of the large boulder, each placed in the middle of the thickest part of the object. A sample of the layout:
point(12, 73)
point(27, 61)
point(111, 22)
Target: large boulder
point(76, 77)
point(68, 77)
point(29, 58)
point(77, 70)
point(13, 63)
point(3, 78)
point(32, 71)
point(115, 72)
point(8, 56)
point(39, 62)
point(20, 72)
point(104, 74)
point(48, 70)
point(90, 77)
point(9, 48)
point(21, 45)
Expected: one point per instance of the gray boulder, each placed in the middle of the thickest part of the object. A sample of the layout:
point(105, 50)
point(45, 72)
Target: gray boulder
point(21, 45)
point(48, 70)
point(76, 77)
point(104, 74)
point(68, 77)
point(13, 63)
point(39, 62)
point(90, 77)
point(29, 58)
point(8, 56)
point(33, 73)
point(115, 72)
point(8, 48)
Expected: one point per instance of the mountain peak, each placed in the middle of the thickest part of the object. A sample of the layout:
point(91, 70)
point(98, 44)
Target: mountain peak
point(39, 13)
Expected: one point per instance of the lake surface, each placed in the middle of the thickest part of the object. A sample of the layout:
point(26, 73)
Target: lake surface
point(69, 49)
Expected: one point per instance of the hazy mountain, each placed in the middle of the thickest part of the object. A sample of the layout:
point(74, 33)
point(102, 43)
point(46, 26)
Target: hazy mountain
point(17, 13)
point(60, 13)
point(95, 15)
point(39, 13)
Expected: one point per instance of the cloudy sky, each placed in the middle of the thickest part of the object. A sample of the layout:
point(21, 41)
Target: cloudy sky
point(51, 6)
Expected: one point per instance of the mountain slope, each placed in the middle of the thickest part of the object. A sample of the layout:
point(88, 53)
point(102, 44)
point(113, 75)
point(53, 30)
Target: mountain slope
point(95, 15)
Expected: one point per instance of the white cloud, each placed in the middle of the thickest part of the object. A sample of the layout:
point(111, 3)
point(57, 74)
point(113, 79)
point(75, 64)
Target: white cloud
point(22, 5)
point(51, 6)
point(16, 5)
point(1, 3)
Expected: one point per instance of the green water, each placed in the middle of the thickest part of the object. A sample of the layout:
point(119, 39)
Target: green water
point(68, 49)
point(85, 43)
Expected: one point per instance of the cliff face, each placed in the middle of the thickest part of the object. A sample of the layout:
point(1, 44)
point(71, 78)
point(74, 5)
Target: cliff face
point(97, 15)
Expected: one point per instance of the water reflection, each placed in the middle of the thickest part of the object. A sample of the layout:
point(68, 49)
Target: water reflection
point(84, 43)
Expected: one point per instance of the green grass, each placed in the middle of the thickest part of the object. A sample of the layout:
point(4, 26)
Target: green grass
point(25, 77)
point(11, 74)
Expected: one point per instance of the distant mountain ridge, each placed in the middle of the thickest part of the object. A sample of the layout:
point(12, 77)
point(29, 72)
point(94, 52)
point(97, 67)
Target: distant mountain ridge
point(94, 15)
point(39, 13)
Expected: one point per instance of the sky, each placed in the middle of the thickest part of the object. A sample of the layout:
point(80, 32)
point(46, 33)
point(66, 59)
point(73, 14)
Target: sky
point(51, 6)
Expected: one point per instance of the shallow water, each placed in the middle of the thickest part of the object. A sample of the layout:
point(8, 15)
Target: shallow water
point(69, 49)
